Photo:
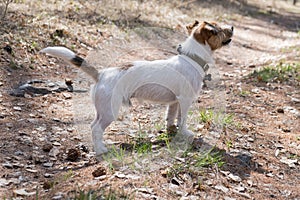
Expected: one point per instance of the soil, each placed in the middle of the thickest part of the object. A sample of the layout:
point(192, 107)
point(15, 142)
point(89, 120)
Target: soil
point(45, 106)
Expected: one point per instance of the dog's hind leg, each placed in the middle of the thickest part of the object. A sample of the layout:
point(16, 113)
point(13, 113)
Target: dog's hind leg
point(98, 128)
point(172, 113)
point(104, 117)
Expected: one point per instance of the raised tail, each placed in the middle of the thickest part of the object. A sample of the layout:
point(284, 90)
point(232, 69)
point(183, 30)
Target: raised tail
point(70, 57)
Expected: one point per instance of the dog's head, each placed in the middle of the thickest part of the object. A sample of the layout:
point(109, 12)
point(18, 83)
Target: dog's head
point(211, 34)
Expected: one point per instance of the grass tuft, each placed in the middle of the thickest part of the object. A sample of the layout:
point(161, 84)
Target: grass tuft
point(209, 159)
point(282, 72)
point(215, 118)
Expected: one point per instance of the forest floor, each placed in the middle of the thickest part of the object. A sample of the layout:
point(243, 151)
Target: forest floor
point(247, 132)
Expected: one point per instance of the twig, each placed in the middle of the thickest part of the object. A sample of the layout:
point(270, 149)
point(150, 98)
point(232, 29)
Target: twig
point(6, 2)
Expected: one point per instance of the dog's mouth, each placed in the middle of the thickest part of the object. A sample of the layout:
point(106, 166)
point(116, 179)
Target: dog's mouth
point(226, 42)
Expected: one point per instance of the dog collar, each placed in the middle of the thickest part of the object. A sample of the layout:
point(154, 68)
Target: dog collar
point(202, 63)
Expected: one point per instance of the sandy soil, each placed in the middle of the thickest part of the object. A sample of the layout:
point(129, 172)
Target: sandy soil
point(45, 145)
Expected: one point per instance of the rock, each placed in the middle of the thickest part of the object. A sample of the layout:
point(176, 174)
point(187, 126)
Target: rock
point(290, 162)
point(17, 108)
point(234, 178)
point(222, 188)
point(56, 144)
point(48, 175)
point(255, 91)
point(229, 198)
point(48, 164)
point(4, 182)
point(54, 152)
point(32, 170)
point(58, 196)
point(67, 95)
point(51, 84)
point(240, 188)
point(277, 152)
point(176, 181)
point(295, 100)
point(7, 165)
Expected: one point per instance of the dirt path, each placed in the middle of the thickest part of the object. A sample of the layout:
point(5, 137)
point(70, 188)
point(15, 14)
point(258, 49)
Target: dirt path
point(45, 149)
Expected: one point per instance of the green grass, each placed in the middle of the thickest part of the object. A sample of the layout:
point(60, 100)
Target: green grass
point(244, 93)
point(115, 154)
point(101, 194)
point(282, 72)
point(215, 118)
point(209, 159)
point(142, 147)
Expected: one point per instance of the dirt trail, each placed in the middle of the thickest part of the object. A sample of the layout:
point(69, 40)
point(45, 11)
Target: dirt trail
point(45, 146)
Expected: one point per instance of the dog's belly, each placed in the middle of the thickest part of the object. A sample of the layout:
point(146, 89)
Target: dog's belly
point(155, 93)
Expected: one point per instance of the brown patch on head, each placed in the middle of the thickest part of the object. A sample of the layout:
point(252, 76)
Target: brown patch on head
point(213, 35)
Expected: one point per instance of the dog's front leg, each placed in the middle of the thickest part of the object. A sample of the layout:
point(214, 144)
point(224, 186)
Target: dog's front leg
point(182, 117)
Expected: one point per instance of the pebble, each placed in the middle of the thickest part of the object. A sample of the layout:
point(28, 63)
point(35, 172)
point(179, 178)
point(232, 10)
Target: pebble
point(57, 196)
point(222, 188)
point(7, 165)
point(23, 192)
point(290, 162)
point(48, 164)
point(51, 84)
point(32, 170)
point(67, 95)
point(229, 198)
point(234, 178)
point(47, 175)
point(240, 188)
point(56, 144)
point(17, 108)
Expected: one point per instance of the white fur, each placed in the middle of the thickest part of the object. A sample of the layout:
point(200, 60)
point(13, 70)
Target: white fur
point(175, 81)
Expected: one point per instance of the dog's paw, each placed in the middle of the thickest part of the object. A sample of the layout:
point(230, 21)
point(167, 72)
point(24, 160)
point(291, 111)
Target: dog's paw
point(100, 149)
point(189, 136)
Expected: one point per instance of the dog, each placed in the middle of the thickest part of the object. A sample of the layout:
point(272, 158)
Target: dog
point(176, 81)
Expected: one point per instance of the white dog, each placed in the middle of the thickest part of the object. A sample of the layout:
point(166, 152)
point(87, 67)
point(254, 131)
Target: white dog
point(176, 81)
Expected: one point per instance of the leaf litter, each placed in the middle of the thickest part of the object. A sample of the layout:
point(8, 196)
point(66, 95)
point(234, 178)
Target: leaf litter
point(39, 140)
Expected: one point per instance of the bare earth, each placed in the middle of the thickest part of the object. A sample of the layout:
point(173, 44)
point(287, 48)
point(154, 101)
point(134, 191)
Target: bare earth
point(45, 144)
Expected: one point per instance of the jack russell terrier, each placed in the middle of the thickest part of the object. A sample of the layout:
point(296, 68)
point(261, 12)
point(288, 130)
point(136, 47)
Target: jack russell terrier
point(176, 81)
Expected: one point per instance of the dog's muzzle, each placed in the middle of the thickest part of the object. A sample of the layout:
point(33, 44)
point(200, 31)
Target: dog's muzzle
point(226, 42)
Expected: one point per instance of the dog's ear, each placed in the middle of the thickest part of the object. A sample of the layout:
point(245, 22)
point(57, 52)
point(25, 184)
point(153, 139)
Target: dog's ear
point(211, 28)
point(191, 26)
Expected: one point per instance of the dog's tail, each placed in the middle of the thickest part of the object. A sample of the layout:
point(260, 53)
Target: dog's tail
point(71, 57)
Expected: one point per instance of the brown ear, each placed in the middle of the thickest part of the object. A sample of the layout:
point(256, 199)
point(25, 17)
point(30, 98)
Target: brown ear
point(204, 32)
point(190, 27)
point(211, 27)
